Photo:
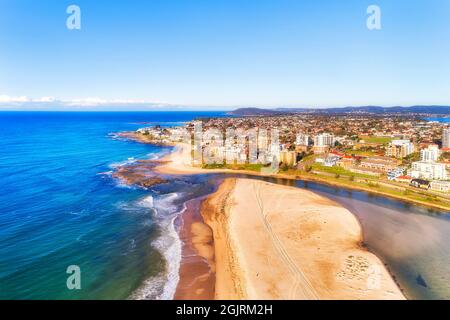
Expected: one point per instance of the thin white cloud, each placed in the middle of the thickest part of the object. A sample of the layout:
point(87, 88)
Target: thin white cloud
point(7, 99)
point(45, 99)
point(48, 103)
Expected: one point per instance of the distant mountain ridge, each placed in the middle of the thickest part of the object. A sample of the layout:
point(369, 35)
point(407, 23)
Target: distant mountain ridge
point(363, 109)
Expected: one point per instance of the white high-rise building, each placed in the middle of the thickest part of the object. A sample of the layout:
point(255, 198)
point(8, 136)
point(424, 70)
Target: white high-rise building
point(324, 139)
point(446, 138)
point(430, 154)
point(302, 140)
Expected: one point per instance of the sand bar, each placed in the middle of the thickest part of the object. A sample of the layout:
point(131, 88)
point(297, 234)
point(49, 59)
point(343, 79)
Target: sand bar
point(278, 242)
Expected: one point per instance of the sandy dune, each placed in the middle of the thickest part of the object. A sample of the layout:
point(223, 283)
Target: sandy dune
point(278, 242)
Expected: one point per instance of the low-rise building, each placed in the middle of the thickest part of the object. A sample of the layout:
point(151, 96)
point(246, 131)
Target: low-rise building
point(441, 186)
point(346, 162)
point(320, 149)
point(403, 179)
point(331, 160)
point(420, 183)
point(383, 164)
point(428, 170)
point(366, 171)
point(301, 148)
point(394, 173)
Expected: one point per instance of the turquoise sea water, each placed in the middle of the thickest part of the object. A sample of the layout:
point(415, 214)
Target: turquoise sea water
point(59, 206)
point(443, 120)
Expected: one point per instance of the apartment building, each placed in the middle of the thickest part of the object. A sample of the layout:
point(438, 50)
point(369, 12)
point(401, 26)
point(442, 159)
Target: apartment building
point(288, 158)
point(400, 148)
point(446, 138)
point(428, 170)
point(430, 154)
point(324, 139)
point(302, 140)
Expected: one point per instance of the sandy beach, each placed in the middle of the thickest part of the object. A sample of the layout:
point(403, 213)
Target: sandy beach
point(278, 242)
point(257, 240)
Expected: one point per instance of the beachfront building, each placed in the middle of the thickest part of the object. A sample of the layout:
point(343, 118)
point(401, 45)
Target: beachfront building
point(383, 164)
point(331, 160)
point(428, 170)
point(430, 154)
point(365, 171)
point(346, 162)
point(400, 149)
point(420, 183)
point(394, 173)
point(446, 138)
point(441, 186)
point(235, 155)
point(403, 179)
point(288, 158)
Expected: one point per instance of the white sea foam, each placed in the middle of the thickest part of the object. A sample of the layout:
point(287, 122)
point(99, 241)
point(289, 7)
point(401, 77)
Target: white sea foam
point(121, 184)
point(156, 156)
point(165, 204)
point(147, 202)
point(169, 244)
point(116, 165)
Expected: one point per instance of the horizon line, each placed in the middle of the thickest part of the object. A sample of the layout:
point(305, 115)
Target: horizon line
point(187, 108)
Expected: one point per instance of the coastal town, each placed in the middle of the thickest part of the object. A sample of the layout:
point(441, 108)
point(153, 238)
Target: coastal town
point(401, 155)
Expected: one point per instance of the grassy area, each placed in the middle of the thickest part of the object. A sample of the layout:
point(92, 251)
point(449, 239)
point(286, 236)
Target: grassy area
point(247, 166)
point(372, 139)
point(362, 153)
point(309, 158)
point(338, 171)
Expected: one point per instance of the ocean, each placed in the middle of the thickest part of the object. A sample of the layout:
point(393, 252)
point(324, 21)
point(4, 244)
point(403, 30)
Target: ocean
point(59, 206)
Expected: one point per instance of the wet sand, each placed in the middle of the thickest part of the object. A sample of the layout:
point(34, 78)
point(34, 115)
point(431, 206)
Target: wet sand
point(197, 278)
point(278, 242)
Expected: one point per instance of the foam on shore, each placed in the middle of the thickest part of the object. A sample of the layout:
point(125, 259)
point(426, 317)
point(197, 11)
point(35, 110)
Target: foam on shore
point(163, 287)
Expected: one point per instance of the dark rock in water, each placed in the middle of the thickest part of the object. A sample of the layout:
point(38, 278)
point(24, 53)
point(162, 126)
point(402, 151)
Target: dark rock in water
point(139, 173)
point(420, 281)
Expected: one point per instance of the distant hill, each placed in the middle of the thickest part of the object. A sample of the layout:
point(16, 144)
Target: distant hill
point(256, 111)
point(363, 109)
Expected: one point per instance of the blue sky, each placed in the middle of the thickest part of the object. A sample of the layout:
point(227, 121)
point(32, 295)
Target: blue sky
point(223, 53)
